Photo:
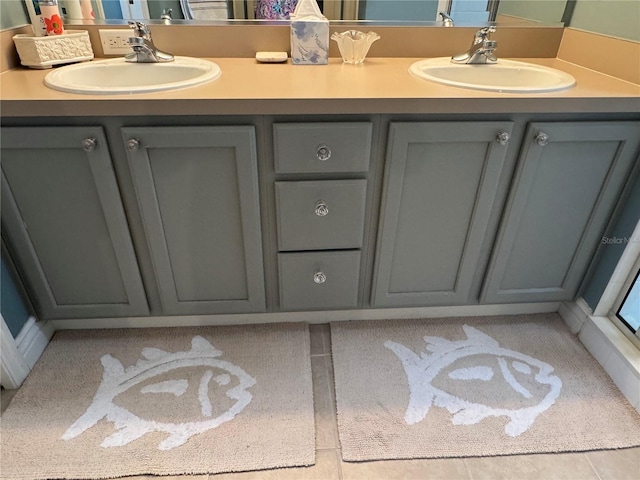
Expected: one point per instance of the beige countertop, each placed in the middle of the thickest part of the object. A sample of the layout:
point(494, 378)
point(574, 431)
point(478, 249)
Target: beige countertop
point(380, 85)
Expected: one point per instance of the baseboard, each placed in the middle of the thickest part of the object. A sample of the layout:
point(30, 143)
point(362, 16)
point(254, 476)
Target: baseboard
point(608, 345)
point(574, 314)
point(33, 339)
point(13, 368)
point(309, 317)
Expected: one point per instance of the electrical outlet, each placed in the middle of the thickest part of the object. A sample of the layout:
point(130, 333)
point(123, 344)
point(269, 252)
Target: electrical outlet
point(115, 42)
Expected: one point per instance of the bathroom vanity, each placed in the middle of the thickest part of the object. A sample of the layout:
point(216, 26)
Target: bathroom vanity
point(326, 188)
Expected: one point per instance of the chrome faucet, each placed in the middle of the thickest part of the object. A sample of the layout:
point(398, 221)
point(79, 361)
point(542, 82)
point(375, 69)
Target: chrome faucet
point(481, 50)
point(167, 16)
point(144, 51)
point(446, 20)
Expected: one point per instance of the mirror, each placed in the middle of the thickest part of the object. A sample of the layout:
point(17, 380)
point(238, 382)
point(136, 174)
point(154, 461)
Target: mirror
point(399, 12)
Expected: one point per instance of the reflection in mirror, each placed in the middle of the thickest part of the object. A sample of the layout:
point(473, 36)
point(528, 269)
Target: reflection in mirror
point(206, 9)
point(533, 11)
point(463, 12)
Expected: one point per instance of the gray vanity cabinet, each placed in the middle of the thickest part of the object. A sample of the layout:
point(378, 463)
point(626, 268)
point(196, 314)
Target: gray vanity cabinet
point(197, 190)
point(569, 179)
point(321, 197)
point(440, 188)
point(63, 220)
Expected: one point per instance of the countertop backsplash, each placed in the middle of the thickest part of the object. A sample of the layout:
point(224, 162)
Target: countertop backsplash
point(620, 58)
point(238, 41)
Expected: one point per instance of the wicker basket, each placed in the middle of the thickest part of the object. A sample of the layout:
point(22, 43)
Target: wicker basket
point(45, 52)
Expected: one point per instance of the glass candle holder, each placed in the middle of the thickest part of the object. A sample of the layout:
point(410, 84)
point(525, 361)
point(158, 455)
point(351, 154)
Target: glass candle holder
point(354, 45)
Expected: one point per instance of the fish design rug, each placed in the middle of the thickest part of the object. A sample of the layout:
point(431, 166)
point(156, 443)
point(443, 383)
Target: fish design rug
point(473, 386)
point(112, 403)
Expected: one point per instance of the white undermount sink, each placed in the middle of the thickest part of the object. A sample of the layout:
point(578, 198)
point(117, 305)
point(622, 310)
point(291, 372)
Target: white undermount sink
point(116, 76)
point(508, 76)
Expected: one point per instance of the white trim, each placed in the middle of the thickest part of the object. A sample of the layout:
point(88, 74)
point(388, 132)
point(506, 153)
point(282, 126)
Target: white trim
point(33, 339)
point(310, 317)
point(625, 289)
point(609, 346)
point(443, 6)
point(574, 314)
point(13, 368)
point(620, 274)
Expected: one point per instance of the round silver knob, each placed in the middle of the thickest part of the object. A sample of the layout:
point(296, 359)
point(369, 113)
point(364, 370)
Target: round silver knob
point(542, 139)
point(89, 144)
point(321, 208)
point(319, 277)
point(133, 144)
point(323, 152)
point(503, 138)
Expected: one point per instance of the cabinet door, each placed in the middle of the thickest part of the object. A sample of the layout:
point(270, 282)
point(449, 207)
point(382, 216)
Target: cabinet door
point(569, 178)
point(439, 191)
point(63, 218)
point(197, 188)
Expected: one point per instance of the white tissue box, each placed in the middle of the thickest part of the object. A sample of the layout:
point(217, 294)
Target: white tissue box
point(310, 42)
point(44, 52)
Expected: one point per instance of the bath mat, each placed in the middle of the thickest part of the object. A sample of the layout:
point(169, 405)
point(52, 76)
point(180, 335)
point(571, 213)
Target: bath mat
point(171, 401)
point(463, 387)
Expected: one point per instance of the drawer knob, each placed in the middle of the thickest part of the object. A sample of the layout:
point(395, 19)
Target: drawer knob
point(321, 208)
point(89, 144)
point(323, 152)
point(319, 277)
point(133, 144)
point(542, 139)
point(502, 138)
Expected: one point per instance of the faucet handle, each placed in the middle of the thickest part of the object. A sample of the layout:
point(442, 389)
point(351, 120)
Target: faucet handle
point(482, 34)
point(140, 29)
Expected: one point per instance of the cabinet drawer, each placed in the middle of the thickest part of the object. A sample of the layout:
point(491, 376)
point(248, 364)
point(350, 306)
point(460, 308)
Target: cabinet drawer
point(320, 215)
point(322, 147)
point(319, 280)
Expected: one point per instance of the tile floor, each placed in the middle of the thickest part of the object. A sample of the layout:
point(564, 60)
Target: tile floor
point(602, 465)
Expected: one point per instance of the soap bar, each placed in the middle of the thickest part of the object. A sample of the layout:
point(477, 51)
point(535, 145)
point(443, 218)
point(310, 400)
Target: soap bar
point(272, 57)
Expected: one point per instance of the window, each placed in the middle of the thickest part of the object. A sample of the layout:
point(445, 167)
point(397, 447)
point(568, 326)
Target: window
point(629, 311)
point(625, 311)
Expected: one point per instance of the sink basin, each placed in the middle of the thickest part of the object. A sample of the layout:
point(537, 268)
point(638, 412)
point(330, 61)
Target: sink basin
point(506, 76)
point(116, 76)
